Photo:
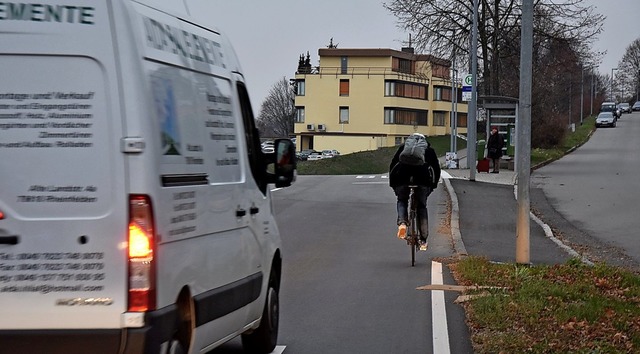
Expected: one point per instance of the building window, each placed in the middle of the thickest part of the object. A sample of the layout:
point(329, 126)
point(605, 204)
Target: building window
point(299, 114)
point(405, 89)
point(403, 65)
point(389, 88)
point(344, 61)
point(439, 118)
point(300, 88)
point(442, 93)
point(344, 115)
point(404, 116)
point(344, 87)
point(462, 119)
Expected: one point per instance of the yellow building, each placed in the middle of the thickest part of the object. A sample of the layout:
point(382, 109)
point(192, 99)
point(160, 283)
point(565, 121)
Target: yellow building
point(364, 99)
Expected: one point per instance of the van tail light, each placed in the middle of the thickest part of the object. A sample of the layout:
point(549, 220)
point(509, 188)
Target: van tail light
point(142, 289)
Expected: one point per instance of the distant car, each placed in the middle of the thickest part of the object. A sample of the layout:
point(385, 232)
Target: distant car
point(267, 146)
point(624, 107)
point(610, 107)
point(303, 155)
point(330, 153)
point(605, 119)
point(315, 156)
point(636, 106)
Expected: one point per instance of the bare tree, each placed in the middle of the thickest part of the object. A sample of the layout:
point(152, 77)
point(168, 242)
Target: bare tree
point(278, 111)
point(443, 27)
point(628, 74)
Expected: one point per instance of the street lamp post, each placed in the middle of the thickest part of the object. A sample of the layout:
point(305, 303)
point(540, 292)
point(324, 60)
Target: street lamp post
point(611, 89)
point(592, 90)
point(590, 68)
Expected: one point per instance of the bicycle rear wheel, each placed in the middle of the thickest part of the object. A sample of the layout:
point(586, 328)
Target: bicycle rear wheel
point(414, 239)
point(413, 250)
point(412, 231)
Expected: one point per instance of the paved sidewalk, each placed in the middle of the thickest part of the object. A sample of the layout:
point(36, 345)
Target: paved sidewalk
point(484, 217)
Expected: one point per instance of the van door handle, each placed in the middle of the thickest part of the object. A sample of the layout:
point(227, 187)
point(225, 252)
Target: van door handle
point(241, 212)
point(254, 210)
point(9, 240)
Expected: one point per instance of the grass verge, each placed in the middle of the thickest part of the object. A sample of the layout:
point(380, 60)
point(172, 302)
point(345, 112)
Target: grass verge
point(368, 162)
point(571, 141)
point(566, 308)
point(377, 161)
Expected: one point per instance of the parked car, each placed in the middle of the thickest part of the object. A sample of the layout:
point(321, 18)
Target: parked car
point(267, 146)
point(624, 107)
point(330, 153)
point(605, 119)
point(315, 156)
point(302, 155)
point(636, 106)
point(610, 107)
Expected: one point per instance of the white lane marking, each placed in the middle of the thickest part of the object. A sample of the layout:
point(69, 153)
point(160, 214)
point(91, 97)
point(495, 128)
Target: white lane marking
point(279, 349)
point(445, 174)
point(365, 176)
point(369, 182)
point(438, 313)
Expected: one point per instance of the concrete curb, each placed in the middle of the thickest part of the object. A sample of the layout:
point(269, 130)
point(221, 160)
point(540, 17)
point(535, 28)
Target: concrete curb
point(454, 221)
point(458, 244)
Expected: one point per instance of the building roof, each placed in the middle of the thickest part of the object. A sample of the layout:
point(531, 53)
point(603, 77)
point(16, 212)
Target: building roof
point(381, 52)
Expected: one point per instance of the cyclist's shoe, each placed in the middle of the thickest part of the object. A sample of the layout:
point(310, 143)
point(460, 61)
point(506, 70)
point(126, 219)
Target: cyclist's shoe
point(423, 244)
point(402, 231)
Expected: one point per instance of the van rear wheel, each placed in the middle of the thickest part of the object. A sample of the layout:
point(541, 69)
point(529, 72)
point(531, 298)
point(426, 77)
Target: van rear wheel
point(264, 338)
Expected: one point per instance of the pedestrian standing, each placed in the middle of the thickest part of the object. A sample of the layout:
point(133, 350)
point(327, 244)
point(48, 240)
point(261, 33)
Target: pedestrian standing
point(494, 146)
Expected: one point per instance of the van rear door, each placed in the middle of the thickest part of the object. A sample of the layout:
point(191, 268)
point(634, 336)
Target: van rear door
point(63, 206)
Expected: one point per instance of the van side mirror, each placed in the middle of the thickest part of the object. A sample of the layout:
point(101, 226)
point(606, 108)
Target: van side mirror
point(285, 162)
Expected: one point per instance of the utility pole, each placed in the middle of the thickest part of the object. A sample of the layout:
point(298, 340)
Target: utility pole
point(523, 147)
point(453, 104)
point(591, 112)
point(581, 94)
point(472, 125)
point(611, 88)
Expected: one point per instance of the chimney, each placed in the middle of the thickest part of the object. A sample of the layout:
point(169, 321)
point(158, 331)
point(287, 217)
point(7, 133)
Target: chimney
point(408, 49)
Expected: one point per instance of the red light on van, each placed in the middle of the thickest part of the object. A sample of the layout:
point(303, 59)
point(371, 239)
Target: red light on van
point(142, 294)
point(1, 215)
point(139, 242)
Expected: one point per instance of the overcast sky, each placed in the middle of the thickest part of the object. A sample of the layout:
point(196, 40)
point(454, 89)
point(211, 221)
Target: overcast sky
point(269, 36)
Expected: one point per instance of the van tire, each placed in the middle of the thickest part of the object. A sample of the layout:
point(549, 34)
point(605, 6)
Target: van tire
point(175, 347)
point(264, 338)
point(179, 343)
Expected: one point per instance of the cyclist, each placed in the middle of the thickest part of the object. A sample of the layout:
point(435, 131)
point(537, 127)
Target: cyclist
point(425, 177)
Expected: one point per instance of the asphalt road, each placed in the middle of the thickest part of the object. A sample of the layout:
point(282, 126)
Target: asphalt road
point(595, 189)
point(348, 285)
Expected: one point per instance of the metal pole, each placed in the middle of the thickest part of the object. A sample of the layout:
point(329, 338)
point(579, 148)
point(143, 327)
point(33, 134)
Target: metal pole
point(581, 94)
point(523, 147)
point(472, 125)
point(591, 112)
point(611, 85)
point(570, 98)
point(611, 89)
point(455, 113)
point(453, 138)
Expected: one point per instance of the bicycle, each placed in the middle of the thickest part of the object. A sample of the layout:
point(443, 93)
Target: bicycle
point(412, 229)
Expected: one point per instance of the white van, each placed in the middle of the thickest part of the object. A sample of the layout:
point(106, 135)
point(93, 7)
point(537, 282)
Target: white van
point(135, 214)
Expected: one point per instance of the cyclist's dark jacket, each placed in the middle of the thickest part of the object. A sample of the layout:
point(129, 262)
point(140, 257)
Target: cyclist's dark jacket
point(400, 174)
